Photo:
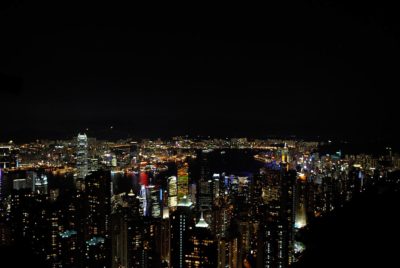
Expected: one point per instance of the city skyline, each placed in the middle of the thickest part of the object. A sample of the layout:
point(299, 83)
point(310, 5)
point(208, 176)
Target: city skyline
point(185, 202)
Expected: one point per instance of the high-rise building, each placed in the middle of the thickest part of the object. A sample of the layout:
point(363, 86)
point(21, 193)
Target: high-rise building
point(135, 227)
point(172, 192)
point(205, 185)
point(301, 202)
point(40, 184)
point(155, 200)
point(134, 242)
point(285, 154)
point(205, 195)
point(181, 223)
point(165, 242)
point(151, 242)
point(277, 226)
point(119, 236)
point(82, 156)
point(97, 234)
point(5, 231)
point(183, 181)
point(202, 247)
point(8, 157)
point(19, 184)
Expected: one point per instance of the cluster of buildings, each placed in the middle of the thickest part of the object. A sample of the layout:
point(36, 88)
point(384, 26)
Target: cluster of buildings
point(91, 203)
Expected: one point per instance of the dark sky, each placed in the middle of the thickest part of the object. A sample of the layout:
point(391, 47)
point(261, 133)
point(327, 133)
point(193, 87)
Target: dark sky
point(314, 68)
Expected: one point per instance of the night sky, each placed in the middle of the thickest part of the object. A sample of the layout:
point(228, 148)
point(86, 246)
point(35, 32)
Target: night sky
point(314, 68)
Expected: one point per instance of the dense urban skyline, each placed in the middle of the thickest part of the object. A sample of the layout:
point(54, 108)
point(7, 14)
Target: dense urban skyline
point(185, 202)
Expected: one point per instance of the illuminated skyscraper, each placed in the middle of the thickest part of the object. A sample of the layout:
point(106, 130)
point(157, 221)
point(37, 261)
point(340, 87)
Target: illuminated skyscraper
point(183, 181)
point(301, 202)
point(172, 192)
point(82, 156)
point(285, 154)
point(155, 200)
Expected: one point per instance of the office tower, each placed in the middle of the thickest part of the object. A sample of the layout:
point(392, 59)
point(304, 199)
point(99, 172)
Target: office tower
point(172, 192)
point(134, 151)
point(54, 248)
point(36, 218)
point(151, 242)
point(135, 227)
point(144, 200)
point(8, 157)
point(181, 221)
point(93, 164)
point(193, 193)
point(327, 195)
point(97, 233)
point(277, 225)
point(301, 203)
point(19, 184)
point(69, 208)
point(229, 248)
point(129, 248)
point(285, 154)
point(119, 232)
point(205, 195)
point(5, 157)
point(202, 247)
point(183, 181)
point(117, 179)
point(82, 156)
point(40, 184)
point(6, 186)
point(246, 232)
point(135, 237)
point(155, 201)
point(216, 188)
point(165, 242)
point(205, 184)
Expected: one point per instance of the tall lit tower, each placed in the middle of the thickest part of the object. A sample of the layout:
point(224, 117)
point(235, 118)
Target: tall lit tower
point(82, 156)
point(172, 192)
point(183, 181)
point(285, 154)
